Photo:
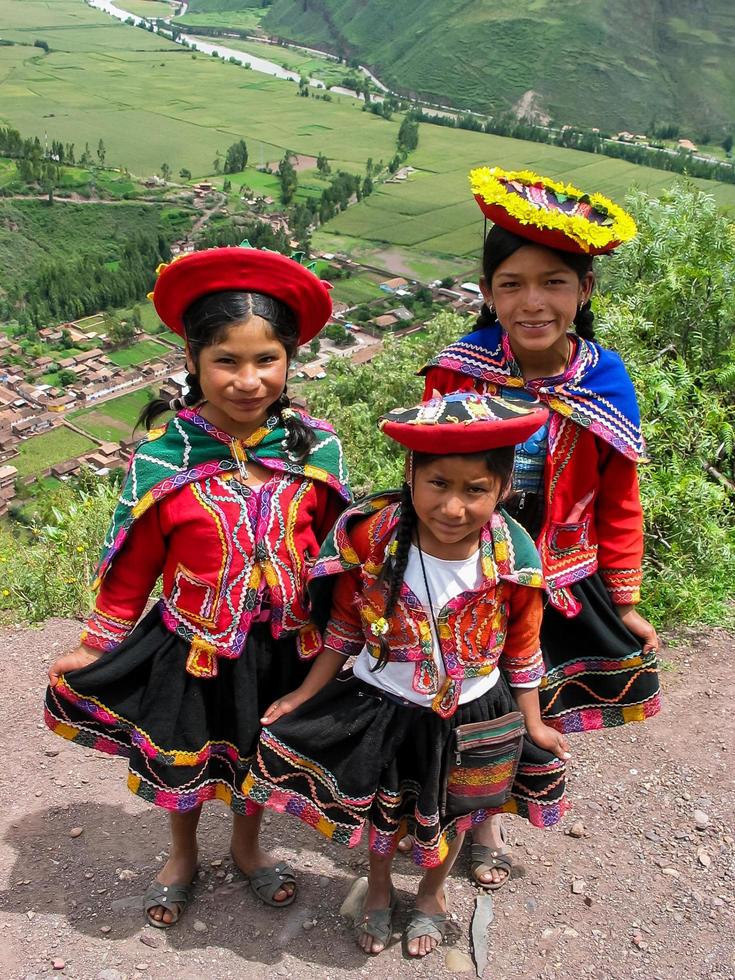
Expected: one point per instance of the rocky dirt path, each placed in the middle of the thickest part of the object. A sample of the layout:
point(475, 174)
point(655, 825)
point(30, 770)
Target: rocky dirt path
point(647, 891)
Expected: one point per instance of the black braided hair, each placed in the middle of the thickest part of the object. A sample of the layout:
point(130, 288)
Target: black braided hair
point(395, 568)
point(501, 244)
point(206, 321)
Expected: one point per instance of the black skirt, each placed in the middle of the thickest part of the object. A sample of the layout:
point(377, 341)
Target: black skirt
point(188, 739)
point(351, 755)
point(597, 676)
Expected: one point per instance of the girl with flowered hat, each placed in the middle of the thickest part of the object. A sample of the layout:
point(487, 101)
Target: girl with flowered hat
point(575, 480)
point(437, 593)
point(228, 502)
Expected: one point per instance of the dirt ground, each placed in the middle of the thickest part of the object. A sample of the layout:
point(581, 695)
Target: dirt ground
point(644, 893)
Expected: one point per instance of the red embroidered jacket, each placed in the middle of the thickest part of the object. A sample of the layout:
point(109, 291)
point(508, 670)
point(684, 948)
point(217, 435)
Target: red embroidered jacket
point(495, 625)
point(609, 534)
point(228, 557)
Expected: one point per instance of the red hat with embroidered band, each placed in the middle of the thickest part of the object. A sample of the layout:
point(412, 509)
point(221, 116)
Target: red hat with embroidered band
point(463, 422)
point(185, 280)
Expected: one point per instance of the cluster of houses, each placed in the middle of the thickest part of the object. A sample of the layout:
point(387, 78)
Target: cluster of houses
point(29, 406)
point(643, 140)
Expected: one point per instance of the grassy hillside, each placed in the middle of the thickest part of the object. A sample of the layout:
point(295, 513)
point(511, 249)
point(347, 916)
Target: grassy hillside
point(613, 65)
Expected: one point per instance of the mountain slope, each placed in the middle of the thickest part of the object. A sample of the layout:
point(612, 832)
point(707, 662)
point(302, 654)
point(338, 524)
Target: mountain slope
point(614, 65)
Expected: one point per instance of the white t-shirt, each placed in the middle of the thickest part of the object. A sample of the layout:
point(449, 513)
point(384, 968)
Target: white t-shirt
point(447, 579)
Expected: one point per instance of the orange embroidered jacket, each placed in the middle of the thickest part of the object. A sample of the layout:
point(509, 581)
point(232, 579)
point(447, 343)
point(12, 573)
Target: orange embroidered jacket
point(496, 624)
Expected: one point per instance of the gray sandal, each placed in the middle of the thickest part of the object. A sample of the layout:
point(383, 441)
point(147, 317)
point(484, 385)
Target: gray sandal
point(173, 898)
point(486, 858)
point(265, 882)
point(378, 923)
point(422, 924)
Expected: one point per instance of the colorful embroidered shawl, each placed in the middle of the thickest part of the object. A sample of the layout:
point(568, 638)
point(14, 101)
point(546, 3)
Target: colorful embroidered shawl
point(595, 391)
point(189, 448)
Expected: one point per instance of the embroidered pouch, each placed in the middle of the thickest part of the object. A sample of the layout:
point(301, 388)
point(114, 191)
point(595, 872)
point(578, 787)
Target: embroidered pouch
point(482, 765)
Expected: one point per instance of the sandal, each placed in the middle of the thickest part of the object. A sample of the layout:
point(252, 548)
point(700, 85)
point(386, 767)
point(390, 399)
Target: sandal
point(484, 859)
point(422, 924)
point(265, 882)
point(173, 898)
point(378, 923)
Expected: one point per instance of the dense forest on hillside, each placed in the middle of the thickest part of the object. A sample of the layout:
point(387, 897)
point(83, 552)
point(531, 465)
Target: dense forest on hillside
point(63, 261)
point(613, 65)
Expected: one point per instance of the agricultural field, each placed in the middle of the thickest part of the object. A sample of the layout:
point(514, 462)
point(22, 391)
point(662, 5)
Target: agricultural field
point(48, 449)
point(113, 420)
point(148, 8)
point(151, 324)
point(240, 20)
point(187, 108)
point(106, 80)
point(356, 289)
point(433, 212)
point(292, 59)
point(138, 353)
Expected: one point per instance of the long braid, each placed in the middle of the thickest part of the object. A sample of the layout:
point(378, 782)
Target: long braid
point(300, 439)
point(584, 321)
point(395, 568)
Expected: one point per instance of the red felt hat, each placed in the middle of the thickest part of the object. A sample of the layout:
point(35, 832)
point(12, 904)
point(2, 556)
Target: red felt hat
point(251, 270)
point(463, 422)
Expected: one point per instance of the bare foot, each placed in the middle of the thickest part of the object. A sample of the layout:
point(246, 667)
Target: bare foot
point(432, 903)
point(378, 896)
point(250, 857)
point(178, 870)
point(489, 833)
point(405, 844)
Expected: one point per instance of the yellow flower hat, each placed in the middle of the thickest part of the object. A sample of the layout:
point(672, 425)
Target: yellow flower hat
point(551, 213)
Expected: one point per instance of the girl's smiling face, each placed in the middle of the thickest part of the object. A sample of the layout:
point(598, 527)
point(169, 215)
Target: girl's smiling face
point(454, 497)
point(241, 375)
point(536, 297)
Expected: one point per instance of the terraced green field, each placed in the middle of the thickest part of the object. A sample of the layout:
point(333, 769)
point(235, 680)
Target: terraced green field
point(139, 353)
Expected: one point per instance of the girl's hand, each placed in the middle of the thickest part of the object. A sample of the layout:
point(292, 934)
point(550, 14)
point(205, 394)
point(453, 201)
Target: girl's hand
point(551, 740)
point(284, 706)
point(639, 627)
point(83, 656)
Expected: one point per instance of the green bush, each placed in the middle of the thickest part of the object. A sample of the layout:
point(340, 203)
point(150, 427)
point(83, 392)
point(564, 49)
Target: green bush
point(48, 569)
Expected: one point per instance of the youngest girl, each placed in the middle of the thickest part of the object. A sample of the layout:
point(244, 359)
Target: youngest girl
point(437, 593)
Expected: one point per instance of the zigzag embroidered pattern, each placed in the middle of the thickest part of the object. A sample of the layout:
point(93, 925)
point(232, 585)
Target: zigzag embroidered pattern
point(585, 405)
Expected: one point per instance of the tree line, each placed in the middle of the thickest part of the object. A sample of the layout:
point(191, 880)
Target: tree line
point(506, 124)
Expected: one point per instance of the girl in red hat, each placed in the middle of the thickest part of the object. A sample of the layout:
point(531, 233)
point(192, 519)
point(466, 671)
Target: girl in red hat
point(437, 593)
point(574, 481)
point(227, 503)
